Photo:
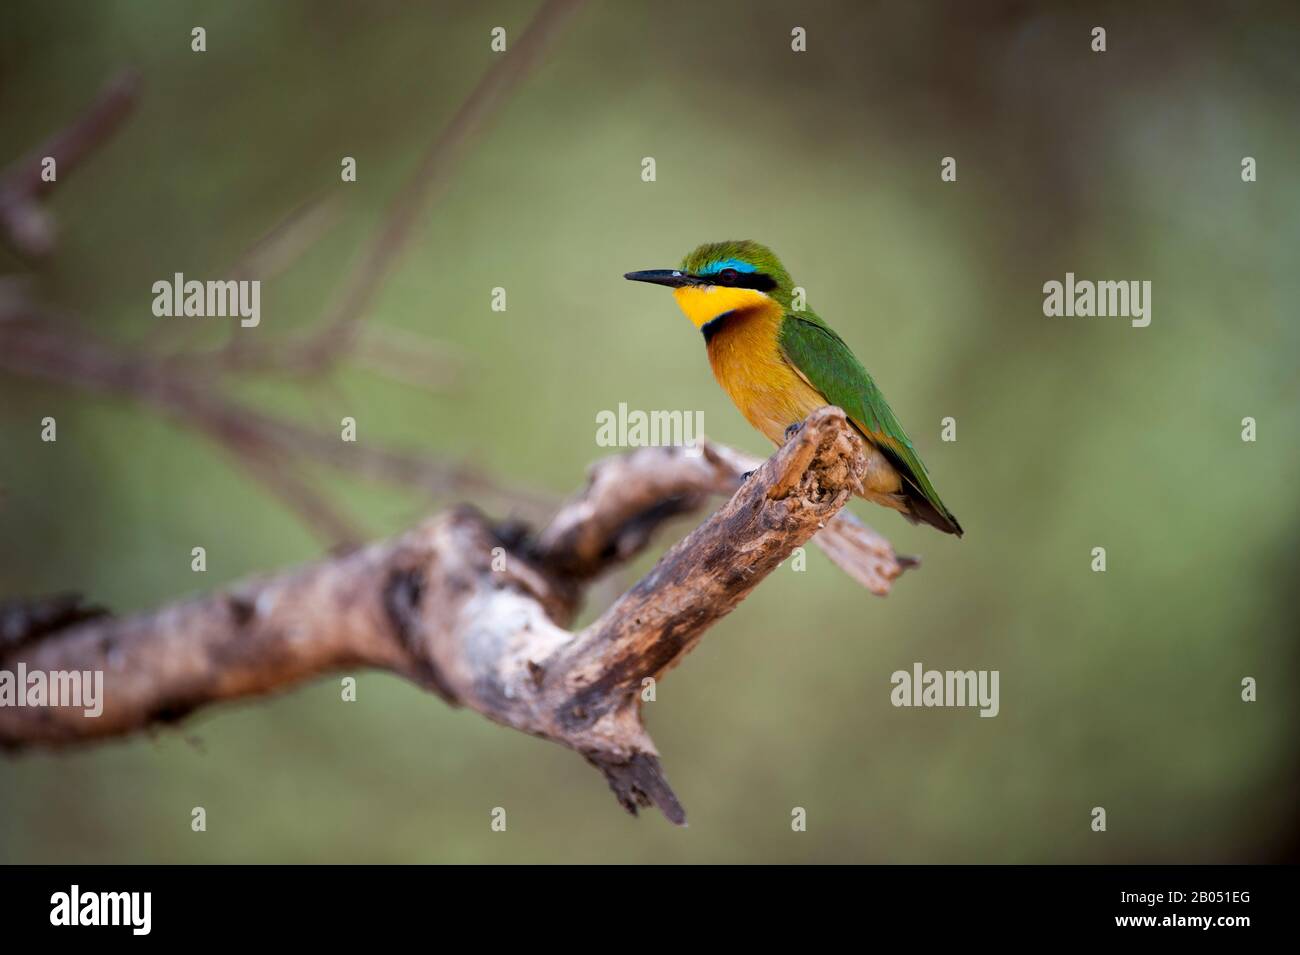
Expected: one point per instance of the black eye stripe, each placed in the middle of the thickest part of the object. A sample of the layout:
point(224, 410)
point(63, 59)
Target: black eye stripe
point(759, 281)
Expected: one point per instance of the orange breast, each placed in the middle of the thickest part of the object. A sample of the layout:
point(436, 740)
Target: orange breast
point(747, 362)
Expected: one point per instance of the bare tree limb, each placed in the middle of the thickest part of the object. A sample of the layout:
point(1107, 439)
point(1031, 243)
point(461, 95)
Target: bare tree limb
point(475, 613)
point(614, 515)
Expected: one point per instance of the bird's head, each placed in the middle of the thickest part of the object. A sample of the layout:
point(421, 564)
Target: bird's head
point(724, 277)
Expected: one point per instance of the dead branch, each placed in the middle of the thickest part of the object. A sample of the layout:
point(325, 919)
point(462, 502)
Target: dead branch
point(627, 497)
point(476, 613)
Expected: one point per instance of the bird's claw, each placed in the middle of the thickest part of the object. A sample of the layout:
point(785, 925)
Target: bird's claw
point(794, 429)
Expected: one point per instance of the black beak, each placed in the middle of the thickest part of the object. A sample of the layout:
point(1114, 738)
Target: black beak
point(670, 277)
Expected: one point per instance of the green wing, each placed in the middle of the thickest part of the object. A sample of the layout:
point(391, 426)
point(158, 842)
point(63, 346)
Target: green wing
point(822, 357)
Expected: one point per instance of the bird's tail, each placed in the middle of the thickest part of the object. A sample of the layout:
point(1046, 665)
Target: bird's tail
point(919, 510)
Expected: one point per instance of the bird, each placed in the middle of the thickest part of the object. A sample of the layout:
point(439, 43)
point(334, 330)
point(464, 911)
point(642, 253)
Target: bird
point(779, 363)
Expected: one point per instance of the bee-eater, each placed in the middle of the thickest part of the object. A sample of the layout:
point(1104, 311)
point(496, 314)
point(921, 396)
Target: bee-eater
point(779, 365)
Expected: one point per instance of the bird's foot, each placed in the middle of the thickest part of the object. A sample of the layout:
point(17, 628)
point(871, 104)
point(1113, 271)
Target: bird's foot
point(794, 429)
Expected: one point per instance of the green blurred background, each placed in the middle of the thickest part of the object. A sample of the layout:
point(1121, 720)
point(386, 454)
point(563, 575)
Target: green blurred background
point(1119, 690)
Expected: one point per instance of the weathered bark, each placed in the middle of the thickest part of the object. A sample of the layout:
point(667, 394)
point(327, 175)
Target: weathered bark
point(478, 613)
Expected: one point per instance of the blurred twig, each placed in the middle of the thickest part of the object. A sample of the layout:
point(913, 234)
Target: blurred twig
point(41, 345)
point(399, 355)
point(27, 227)
point(432, 174)
point(182, 386)
point(320, 349)
point(285, 243)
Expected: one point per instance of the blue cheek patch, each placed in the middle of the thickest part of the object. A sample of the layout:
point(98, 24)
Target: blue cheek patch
point(713, 268)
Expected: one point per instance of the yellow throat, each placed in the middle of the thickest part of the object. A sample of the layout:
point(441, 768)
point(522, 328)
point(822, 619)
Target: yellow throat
point(703, 303)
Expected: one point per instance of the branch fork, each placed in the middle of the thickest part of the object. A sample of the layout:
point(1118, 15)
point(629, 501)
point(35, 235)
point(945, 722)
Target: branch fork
point(437, 606)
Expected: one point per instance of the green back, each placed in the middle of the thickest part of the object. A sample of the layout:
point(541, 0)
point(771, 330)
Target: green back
point(823, 358)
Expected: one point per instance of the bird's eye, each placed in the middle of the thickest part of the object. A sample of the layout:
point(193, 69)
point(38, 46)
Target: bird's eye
point(728, 276)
